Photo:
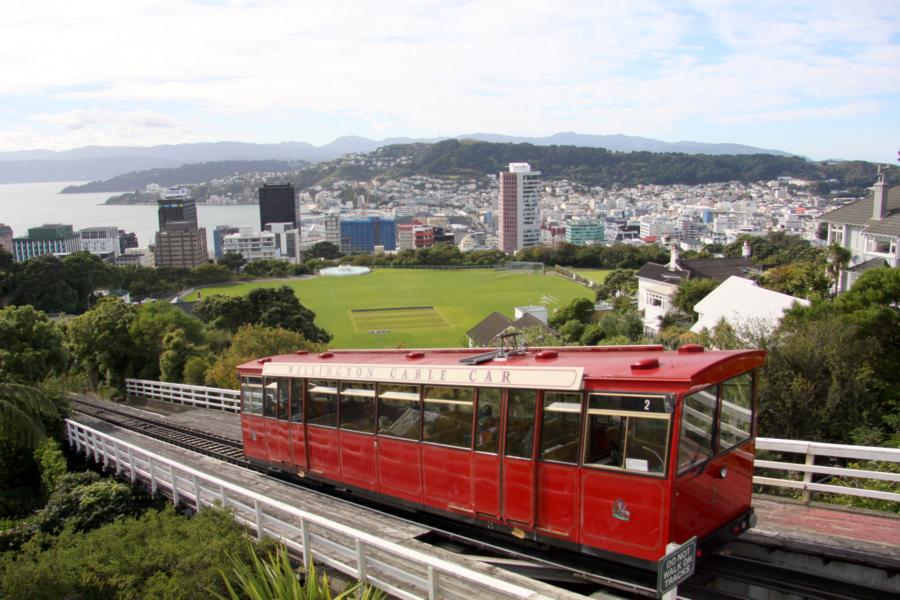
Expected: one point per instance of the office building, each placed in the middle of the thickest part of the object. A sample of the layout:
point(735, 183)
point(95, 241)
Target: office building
point(55, 239)
point(102, 241)
point(585, 231)
point(333, 228)
point(519, 223)
point(6, 238)
point(180, 244)
point(277, 204)
point(127, 240)
point(410, 236)
point(364, 234)
point(252, 245)
point(219, 234)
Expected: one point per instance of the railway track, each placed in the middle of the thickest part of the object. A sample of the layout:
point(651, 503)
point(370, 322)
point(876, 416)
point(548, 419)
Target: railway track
point(717, 576)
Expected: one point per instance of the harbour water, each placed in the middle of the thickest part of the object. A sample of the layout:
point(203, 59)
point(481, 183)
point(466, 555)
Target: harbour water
point(24, 205)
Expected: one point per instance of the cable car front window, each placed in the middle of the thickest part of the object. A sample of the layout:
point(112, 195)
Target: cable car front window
point(629, 432)
point(698, 420)
point(252, 396)
point(561, 426)
point(736, 419)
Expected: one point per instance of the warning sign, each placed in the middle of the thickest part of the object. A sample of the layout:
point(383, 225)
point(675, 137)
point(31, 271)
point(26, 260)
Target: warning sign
point(676, 566)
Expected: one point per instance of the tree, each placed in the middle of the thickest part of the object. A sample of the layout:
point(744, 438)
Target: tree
point(269, 267)
point(273, 307)
point(176, 351)
point(618, 282)
point(579, 310)
point(100, 341)
point(151, 323)
point(251, 342)
point(42, 283)
point(571, 330)
point(24, 410)
point(692, 291)
point(86, 272)
point(233, 261)
point(837, 258)
point(209, 273)
point(31, 346)
point(326, 250)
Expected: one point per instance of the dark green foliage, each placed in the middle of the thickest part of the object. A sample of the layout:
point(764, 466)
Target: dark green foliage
point(42, 283)
point(100, 341)
point(31, 346)
point(619, 282)
point(86, 272)
point(571, 331)
point(271, 307)
point(209, 273)
point(151, 324)
point(233, 261)
point(578, 310)
point(269, 267)
point(325, 250)
point(775, 249)
point(692, 291)
point(51, 462)
point(615, 256)
point(83, 501)
point(159, 555)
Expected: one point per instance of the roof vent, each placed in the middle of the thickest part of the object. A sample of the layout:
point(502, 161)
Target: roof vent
point(690, 349)
point(326, 355)
point(414, 355)
point(264, 360)
point(301, 352)
point(645, 364)
point(547, 354)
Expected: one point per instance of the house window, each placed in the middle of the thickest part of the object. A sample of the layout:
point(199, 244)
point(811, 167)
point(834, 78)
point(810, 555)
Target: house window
point(881, 245)
point(654, 299)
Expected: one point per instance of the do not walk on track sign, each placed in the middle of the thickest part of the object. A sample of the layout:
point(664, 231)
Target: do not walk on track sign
point(677, 565)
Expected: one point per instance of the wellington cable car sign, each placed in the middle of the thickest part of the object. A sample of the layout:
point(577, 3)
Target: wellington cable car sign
point(676, 566)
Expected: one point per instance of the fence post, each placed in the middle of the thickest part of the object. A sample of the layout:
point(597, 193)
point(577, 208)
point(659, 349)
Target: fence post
point(304, 535)
point(433, 584)
point(260, 531)
point(361, 561)
point(174, 477)
point(152, 477)
point(807, 477)
point(132, 472)
point(197, 502)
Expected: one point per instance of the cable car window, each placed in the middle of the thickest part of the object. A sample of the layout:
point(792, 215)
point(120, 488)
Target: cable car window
point(447, 415)
point(736, 418)
point(561, 427)
point(284, 397)
point(487, 438)
point(252, 396)
point(358, 406)
point(520, 423)
point(398, 411)
point(297, 400)
point(628, 431)
point(322, 403)
point(698, 420)
point(270, 392)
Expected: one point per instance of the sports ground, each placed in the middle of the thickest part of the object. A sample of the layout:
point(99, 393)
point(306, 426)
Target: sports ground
point(415, 308)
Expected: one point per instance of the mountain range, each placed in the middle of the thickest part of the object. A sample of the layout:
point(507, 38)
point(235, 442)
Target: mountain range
point(103, 162)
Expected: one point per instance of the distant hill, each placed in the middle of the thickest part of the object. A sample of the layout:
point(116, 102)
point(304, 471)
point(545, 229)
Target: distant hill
point(185, 174)
point(589, 166)
point(102, 162)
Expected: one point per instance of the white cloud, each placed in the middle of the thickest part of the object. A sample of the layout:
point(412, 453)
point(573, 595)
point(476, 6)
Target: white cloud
point(531, 67)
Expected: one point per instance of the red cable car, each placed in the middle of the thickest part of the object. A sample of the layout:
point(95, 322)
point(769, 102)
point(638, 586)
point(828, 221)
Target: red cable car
point(611, 451)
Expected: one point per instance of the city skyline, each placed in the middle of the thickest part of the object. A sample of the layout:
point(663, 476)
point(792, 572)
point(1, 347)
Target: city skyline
point(813, 79)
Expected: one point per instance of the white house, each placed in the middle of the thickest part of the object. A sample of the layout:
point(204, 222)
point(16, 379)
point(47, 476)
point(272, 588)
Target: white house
point(743, 305)
point(869, 229)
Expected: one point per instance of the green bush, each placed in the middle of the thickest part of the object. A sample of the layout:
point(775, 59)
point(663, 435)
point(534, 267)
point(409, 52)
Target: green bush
point(84, 501)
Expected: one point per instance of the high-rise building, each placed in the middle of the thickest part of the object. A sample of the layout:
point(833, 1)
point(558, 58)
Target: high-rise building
point(362, 235)
point(219, 234)
point(277, 204)
point(410, 236)
point(6, 238)
point(333, 229)
point(180, 243)
point(585, 231)
point(519, 223)
point(55, 239)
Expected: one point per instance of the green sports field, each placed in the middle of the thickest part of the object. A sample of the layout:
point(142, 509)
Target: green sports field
point(434, 308)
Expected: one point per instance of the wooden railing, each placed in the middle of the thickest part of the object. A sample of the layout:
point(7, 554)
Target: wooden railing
point(810, 451)
point(180, 393)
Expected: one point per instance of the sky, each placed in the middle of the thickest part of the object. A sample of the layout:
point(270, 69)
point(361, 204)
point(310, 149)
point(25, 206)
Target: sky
point(821, 78)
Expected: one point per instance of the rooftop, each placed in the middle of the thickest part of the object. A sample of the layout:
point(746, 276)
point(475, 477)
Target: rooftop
point(860, 213)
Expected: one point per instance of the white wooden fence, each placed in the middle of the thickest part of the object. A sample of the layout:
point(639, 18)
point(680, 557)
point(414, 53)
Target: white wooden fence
point(400, 571)
point(811, 450)
point(191, 395)
point(229, 401)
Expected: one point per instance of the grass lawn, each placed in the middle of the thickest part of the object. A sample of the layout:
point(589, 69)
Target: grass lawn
point(595, 275)
point(438, 306)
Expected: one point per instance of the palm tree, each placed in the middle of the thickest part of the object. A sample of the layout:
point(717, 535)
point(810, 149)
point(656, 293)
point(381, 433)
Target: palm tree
point(22, 411)
point(838, 258)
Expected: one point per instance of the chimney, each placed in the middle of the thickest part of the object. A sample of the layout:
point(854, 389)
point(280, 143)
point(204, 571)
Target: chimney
point(673, 261)
point(879, 197)
point(745, 250)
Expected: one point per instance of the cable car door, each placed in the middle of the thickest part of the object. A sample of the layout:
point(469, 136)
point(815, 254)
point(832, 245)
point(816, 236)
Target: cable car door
point(518, 459)
point(486, 460)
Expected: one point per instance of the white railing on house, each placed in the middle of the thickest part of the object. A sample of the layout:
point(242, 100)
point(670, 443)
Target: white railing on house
point(399, 571)
point(811, 450)
point(229, 400)
point(179, 393)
